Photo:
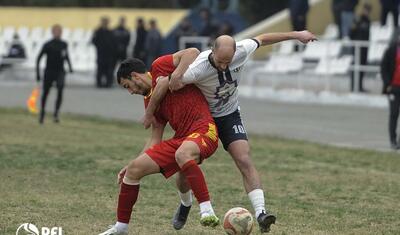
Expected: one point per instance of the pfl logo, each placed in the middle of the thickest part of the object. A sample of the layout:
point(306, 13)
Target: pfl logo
point(31, 229)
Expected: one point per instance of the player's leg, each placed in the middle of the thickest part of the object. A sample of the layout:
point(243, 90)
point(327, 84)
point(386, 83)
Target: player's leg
point(136, 169)
point(187, 157)
point(47, 82)
point(185, 193)
point(234, 139)
point(60, 88)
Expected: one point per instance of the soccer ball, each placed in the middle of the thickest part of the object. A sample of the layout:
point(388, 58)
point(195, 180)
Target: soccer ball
point(238, 221)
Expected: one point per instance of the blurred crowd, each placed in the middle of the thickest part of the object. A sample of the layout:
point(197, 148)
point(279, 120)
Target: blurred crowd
point(112, 46)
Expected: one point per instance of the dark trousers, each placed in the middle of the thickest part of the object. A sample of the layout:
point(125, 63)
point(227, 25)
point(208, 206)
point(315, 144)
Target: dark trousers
point(299, 24)
point(394, 105)
point(105, 70)
point(384, 13)
point(51, 76)
point(363, 61)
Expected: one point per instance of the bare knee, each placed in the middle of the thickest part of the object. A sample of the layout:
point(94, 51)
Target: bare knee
point(182, 156)
point(134, 171)
point(243, 162)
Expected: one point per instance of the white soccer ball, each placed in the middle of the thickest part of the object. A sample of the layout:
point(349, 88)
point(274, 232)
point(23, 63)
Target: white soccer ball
point(238, 221)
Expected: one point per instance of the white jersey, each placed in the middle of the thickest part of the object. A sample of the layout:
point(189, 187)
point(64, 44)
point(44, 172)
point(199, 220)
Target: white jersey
point(220, 88)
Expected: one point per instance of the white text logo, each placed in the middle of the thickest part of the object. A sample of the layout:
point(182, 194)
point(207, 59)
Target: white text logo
point(31, 229)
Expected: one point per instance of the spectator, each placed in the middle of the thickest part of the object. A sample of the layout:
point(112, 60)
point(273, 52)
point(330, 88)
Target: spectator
point(209, 27)
point(225, 29)
point(153, 43)
point(17, 49)
point(122, 37)
point(104, 40)
point(390, 6)
point(360, 32)
point(337, 15)
point(185, 29)
point(298, 14)
point(347, 16)
point(141, 33)
point(56, 51)
point(390, 73)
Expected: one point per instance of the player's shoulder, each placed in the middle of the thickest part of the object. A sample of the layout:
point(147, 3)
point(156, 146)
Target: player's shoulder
point(202, 57)
point(247, 42)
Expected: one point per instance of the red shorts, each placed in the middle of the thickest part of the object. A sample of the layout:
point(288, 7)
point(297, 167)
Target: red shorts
point(164, 153)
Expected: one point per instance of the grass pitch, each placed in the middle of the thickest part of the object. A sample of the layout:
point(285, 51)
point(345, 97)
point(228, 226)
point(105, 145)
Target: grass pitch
point(65, 175)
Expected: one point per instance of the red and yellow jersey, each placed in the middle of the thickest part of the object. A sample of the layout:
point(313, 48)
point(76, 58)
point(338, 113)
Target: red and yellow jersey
point(186, 110)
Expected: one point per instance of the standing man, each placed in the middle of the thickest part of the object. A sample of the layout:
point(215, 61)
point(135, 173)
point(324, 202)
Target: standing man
point(153, 42)
point(217, 73)
point(122, 37)
point(195, 136)
point(139, 50)
point(104, 41)
point(56, 51)
point(298, 15)
point(360, 32)
point(390, 73)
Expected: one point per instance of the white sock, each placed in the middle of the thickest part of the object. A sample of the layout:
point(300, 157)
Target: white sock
point(121, 226)
point(257, 200)
point(186, 198)
point(206, 209)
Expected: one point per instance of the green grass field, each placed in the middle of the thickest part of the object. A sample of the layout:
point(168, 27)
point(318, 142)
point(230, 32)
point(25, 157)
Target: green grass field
point(65, 175)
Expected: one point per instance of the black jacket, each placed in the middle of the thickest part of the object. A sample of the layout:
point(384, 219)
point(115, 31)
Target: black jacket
point(388, 66)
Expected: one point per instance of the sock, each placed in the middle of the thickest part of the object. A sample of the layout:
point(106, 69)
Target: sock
point(186, 198)
point(257, 200)
point(196, 180)
point(127, 198)
point(206, 209)
point(121, 226)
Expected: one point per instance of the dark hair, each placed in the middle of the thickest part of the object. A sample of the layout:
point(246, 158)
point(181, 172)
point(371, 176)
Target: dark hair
point(128, 66)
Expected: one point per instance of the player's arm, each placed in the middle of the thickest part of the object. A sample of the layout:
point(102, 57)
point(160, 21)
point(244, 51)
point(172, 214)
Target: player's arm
point(67, 59)
point(271, 38)
point(181, 60)
point(42, 52)
point(156, 137)
point(159, 92)
point(157, 132)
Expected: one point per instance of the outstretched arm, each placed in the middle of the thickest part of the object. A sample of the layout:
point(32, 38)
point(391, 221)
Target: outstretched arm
point(181, 59)
point(271, 38)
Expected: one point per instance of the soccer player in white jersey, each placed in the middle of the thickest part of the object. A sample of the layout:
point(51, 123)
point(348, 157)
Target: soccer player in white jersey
point(217, 72)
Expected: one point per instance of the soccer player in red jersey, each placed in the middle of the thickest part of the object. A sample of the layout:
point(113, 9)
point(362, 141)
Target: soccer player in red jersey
point(195, 136)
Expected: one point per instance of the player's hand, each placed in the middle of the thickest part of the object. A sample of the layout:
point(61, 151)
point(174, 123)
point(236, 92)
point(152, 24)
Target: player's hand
point(148, 120)
point(121, 175)
point(305, 36)
point(388, 89)
point(175, 84)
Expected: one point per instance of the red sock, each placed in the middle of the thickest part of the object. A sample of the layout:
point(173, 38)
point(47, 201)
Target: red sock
point(127, 198)
point(196, 180)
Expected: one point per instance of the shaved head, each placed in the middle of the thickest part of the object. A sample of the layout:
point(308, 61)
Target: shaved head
point(224, 48)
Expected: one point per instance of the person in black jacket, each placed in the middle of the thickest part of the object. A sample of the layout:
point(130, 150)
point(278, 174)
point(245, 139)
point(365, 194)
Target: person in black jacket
point(139, 50)
point(56, 51)
point(122, 37)
point(390, 6)
point(390, 73)
point(105, 43)
point(360, 31)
